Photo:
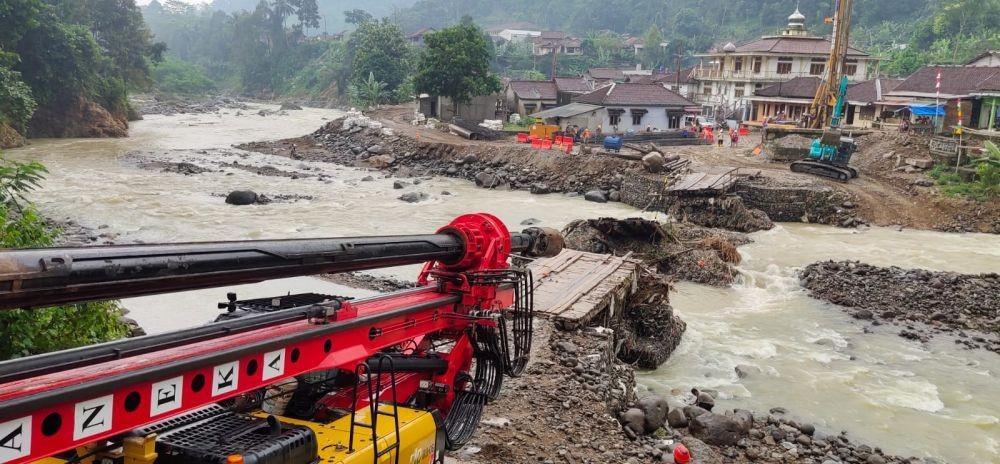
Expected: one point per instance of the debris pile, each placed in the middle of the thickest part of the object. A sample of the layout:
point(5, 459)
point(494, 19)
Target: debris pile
point(678, 250)
point(728, 212)
point(921, 301)
point(649, 331)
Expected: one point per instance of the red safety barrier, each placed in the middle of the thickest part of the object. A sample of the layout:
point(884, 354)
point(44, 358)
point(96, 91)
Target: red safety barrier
point(536, 143)
point(569, 147)
point(744, 130)
point(547, 144)
point(522, 137)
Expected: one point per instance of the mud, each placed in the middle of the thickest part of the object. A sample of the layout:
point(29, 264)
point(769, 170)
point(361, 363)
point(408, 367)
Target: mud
point(923, 303)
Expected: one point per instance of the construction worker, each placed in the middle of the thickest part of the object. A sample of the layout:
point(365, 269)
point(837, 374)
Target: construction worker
point(586, 136)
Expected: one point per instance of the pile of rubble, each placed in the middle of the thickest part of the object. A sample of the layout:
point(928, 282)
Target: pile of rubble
point(357, 140)
point(921, 301)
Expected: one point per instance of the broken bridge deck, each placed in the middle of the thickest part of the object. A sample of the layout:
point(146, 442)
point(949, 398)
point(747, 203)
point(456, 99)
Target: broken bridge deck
point(700, 183)
point(575, 287)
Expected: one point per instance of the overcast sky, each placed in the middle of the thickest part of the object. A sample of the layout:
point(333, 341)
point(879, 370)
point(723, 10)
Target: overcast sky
point(144, 2)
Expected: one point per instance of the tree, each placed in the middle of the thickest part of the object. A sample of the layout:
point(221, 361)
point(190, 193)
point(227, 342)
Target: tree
point(357, 16)
point(652, 52)
point(380, 49)
point(16, 101)
point(455, 63)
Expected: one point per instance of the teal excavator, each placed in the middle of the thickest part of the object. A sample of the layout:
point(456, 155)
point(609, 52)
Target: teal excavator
point(830, 155)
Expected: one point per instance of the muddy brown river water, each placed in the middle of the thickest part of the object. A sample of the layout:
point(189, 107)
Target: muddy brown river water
point(931, 400)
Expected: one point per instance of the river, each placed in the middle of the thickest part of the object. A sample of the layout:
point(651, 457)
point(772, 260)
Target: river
point(935, 400)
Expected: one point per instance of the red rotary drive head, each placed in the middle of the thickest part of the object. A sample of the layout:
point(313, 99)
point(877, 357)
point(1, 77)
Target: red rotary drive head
point(486, 239)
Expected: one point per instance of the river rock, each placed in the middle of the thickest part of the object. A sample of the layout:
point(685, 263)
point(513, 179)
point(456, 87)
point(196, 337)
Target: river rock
point(634, 420)
point(367, 179)
point(241, 197)
point(596, 196)
point(702, 453)
point(615, 195)
point(530, 222)
point(414, 197)
point(290, 106)
point(398, 184)
point(653, 162)
point(654, 409)
point(376, 149)
point(487, 180)
point(539, 188)
point(676, 418)
point(744, 370)
point(744, 418)
point(716, 429)
point(381, 161)
point(694, 411)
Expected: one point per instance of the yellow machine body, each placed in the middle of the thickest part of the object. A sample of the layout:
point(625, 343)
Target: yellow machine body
point(417, 441)
point(418, 435)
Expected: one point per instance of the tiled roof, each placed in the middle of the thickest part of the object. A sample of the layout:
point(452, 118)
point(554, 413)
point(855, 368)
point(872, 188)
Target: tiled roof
point(572, 84)
point(630, 94)
point(534, 90)
point(553, 35)
point(868, 92)
point(606, 73)
point(670, 77)
point(955, 80)
point(792, 46)
point(990, 84)
point(983, 55)
point(420, 32)
point(799, 87)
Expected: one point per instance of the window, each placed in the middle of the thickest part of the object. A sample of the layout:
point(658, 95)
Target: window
point(817, 66)
point(737, 64)
point(738, 92)
point(615, 116)
point(637, 117)
point(851, 67)
point(785, 65)
point(757, 64)
point(706, 89)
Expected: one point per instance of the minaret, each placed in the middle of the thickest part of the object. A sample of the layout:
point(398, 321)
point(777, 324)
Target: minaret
point(796, 25)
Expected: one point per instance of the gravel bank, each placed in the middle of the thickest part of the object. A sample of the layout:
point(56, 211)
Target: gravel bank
point(922, 302)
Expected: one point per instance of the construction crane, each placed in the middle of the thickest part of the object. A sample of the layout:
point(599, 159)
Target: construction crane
point(825, 99)
point(293, 379)
point(830, 155)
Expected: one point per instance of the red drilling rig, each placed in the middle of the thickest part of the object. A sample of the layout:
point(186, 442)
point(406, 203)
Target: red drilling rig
point(308, 378)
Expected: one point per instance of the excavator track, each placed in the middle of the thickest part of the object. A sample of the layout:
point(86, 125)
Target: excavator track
point(840, 174)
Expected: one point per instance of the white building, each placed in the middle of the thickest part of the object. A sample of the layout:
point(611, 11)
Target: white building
point(637, 107)
point(518, 35)
point(727, 76)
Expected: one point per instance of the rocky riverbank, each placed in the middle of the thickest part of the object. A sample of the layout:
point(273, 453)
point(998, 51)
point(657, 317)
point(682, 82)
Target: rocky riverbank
point(922, 302)
point(169, 104)
point(577, 403)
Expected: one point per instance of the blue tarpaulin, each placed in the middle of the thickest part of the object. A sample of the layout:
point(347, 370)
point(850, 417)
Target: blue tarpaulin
point(927, 110)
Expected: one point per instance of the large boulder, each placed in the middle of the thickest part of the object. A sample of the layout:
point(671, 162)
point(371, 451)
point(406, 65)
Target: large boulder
point(381, 161)
point(289, 107)
point(654, 409)
point(242, 197)
point(716, 429)
point(702, 453)
point(634, 420)
point(487, 180)
point(677, 419)
point(398, 184)
point(653, 162)
point(596, 196)
point(376, 149)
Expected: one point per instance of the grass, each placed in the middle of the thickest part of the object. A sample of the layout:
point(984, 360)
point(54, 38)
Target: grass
point(952, 184)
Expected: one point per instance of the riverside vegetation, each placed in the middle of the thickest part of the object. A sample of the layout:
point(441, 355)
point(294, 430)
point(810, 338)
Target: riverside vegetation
point(25, 332)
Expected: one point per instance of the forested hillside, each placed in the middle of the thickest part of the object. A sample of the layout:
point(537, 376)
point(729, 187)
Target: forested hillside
point(66, 66)
point(907, 32)
point(330, 10)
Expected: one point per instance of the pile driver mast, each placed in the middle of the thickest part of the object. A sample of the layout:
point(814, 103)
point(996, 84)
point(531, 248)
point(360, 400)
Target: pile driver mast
point(368, 380)
point(824, 105)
